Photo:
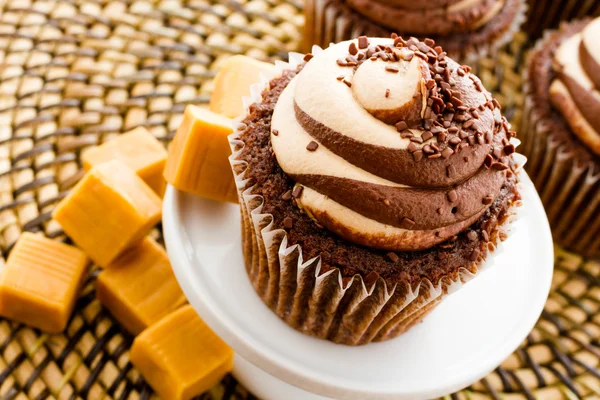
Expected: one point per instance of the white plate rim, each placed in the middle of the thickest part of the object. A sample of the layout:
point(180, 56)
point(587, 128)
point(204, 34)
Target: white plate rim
point(277, 365)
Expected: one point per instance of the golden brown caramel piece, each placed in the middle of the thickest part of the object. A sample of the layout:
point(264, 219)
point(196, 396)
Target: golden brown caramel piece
point(139, 150)
point(233, 82)
point(198, 160)
point(109, 210)
point(40, 282)
point(139, 287)
point(180, 356)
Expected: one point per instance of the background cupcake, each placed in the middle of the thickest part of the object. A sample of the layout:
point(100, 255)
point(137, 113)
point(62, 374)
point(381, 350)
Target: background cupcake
point(547, 14)
point(467, 30)
point(561, 132)
point(374, 178)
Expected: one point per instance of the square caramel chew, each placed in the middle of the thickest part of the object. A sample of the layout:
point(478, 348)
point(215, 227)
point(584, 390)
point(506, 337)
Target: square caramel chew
point(198, 160)
point(109, 210)
point(180, 356)
point(233, 82)
point(139, 149)
point(41, 281)
point(139, 287)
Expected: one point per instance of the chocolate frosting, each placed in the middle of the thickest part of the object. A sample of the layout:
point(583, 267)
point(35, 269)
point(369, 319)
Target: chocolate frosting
point(406, 186)
point(575, 92)
point(419, 205)
point(440, 17)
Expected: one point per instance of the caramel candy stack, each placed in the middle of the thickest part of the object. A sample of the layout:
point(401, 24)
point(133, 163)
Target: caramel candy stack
point(109, 214)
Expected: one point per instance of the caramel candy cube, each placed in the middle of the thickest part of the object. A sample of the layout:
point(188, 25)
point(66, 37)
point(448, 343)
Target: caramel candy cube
point(109, 210)
point(139, 287)
point(180, 356)
point(139, 149)
point(198, 160)
point(40, 282)
point(233, 82)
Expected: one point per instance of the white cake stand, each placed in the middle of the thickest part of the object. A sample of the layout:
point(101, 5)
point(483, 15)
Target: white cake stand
point(460, 342)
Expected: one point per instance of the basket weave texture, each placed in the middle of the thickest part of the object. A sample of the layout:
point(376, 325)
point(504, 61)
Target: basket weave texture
point(75, 73)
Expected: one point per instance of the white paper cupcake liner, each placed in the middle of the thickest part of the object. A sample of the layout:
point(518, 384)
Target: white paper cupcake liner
point(317, 302)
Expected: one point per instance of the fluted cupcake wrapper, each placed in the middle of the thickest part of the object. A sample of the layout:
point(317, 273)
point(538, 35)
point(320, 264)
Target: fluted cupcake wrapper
point(568, 187)
point(320, 303)
point(545, 14)
point(331, 21)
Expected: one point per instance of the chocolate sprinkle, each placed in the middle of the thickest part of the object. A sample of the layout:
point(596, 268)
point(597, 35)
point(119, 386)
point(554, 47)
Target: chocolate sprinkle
point(487, 200)
point(391, 68)
point(363, 42)
point(312, 146)
point(418, 155)
point(308, 57)
point(288, 223)
point(499, 166)
point(407, 223)
point(401, 126)
point(412, 147)
point(509, 149)
point(287, 195)
point(475, 255)
point(387, 93)
point(348, 83)
point(297, 192)
point(352, 49)
point(393, 257)
point(447, 152)
point(452, 196)
point(275, 132)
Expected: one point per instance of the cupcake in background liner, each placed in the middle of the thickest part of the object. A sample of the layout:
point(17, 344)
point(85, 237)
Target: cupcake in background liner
point(374, 178)
point(548, 14)
point(561, 131)
point(467, 30)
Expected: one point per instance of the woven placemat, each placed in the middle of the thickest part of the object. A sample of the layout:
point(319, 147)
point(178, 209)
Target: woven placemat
point(75, 73)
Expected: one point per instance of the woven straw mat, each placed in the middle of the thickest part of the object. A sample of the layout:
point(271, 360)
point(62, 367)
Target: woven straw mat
point(76, 73)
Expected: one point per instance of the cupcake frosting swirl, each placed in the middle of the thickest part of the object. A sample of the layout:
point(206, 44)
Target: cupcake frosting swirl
point(575, 91)
point(438, 17)
point(395, 145)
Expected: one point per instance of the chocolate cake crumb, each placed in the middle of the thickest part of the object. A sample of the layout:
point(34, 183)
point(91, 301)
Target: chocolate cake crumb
point(288, 223)
point(393, 257)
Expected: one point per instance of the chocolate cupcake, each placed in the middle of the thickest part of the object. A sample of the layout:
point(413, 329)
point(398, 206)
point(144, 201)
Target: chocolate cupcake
point(466, 29)
point(547, 14)
point(561, 132)
point(374, 178)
